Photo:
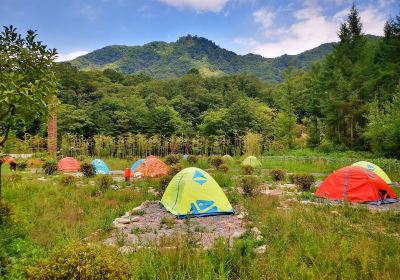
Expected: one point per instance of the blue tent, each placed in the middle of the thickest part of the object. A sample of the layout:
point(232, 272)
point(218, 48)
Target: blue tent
point(135, 165)
point(100, 167)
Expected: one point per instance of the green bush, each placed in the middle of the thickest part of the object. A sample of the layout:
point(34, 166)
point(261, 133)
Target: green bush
point(80, 261)
point(302, 180)
point(174, 169)
point(68, 180)
point(50, 167)
point(216, 161)
point(172, 159)
point(277, 174)
point(192, 159)
point(104, 181)
point(247, 170)
point(249, 184)
point(5, 213)
point(164, 181)
point(224, 168)
point(21, 165)
point(87, 169)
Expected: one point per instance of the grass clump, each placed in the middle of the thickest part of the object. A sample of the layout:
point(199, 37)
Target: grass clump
point(80, 261)
point(104, 182)
point(50, 167)
point(302, 180)
point(277, 174)
point(224, 168)
point(192, 159)
point(249, 184)
point(87, 169)
point(168, 222)
point(247, 170)
point(164, 181)
point(68, 180)
point(172, 159)
point(174, 169)
point(216, 161)
point(22, 165)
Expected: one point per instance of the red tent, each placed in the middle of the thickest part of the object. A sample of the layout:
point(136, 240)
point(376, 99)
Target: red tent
point(69, 164)
point(355, 184)
point(151, 167)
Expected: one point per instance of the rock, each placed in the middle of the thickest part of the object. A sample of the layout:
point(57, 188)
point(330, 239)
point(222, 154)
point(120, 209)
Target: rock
point(41, 179)
point(122, 221)
point(135, 219)
point(236, 234)
point(256, 231)
point(140, 207)
point(260, 250)
point(240, 216)
point(259, 237)
point(126, 250)
point(115, 187)
point(335, 212)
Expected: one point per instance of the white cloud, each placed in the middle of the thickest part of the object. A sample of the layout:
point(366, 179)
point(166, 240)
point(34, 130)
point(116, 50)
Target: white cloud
point(199, 6)
point(90, 12)
point(69, 56)
point(265, 17)
point(311, 29)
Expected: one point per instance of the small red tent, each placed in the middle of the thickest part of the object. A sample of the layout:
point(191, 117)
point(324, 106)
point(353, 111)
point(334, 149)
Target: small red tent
point(69, 164)
point(355, 184)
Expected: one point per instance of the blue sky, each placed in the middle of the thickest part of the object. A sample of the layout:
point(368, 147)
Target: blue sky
point(269, 28)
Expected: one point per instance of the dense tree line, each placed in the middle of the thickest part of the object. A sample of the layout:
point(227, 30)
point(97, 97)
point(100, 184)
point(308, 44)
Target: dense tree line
point(349, 100)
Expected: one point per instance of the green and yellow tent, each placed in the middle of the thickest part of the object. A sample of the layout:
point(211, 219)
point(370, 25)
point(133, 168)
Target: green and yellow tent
point(193, 192)
point(252, 161)
point(227, 158)
point(374, 168)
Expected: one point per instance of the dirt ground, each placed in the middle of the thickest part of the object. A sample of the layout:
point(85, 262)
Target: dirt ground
point(151, 224)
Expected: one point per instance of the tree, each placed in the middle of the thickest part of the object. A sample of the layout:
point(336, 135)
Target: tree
point(27, 79)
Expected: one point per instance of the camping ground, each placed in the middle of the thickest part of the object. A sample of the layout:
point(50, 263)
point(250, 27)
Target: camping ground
point(300, 236)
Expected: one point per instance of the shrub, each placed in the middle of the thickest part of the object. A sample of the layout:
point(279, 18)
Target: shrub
point(216, 161)
point(192, 159)
point(87, 169)
point(50, 166)
point(224, 168)
point(277, 174)
point(22, 165)
point(174, 169)
point(249, 184)
point(172, 159)
point(104, 181)
point(5, 213)
point(68, 180)
point(80, 261)
point(247, 170)
point(164, 181)
point(303, 180)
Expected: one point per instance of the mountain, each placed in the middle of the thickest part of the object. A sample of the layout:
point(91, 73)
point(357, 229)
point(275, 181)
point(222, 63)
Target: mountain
point(166, 60)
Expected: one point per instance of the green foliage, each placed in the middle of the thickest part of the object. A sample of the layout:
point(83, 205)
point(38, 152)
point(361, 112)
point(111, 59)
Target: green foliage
point(5, 213)
point(50, 167)
point(249, 184)
point(68, 180)
point(216, 161)
point(80, 261)
point(192, 159)
point(104, 182)
point(172, 159)
point(224, 168)
point(87, 169)
point(27, 80)
point(247, 170)
point(277, 174)
point(302, 180)
point(22, 165)
point(174, 169)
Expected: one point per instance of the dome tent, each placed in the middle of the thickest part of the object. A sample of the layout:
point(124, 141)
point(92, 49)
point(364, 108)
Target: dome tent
point(151, 167)
point(100, 167)
point(227, 158)
point(252, 161)
point(193, 192)
point(135, 165)
point(69, 164)
point(356, 184)
point(374, 168)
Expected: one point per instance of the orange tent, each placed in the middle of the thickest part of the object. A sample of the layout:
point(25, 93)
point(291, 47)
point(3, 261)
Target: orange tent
point(355, 184)
point(8, 159)
point(151, 167)
point(69, 164)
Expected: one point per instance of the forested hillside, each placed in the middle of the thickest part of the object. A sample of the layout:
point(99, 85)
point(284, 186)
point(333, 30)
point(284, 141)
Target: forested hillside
point(167, 60)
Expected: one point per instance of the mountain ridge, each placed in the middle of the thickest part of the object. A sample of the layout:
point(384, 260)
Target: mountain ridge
point(164, 60)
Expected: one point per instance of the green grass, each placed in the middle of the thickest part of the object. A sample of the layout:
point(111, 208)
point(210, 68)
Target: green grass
point(303, 241)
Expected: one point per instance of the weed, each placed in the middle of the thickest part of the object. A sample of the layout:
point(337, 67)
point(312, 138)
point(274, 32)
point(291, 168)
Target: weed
point(87, 169)
point(50, 167)
point(247, 170)
point(277, 174)
point(68, 180)
point(168, 222)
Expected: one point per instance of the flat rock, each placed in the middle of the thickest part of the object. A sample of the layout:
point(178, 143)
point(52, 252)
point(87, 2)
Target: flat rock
point(260, 250)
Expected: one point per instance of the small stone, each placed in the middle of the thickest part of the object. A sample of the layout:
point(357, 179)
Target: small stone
point(256, 231)
point(126, 250)
point(240, 216)
point(261, 249)
point(335, 212)
point(236, 234)
point(122, 221)
point(259, 237)
point(135, 219)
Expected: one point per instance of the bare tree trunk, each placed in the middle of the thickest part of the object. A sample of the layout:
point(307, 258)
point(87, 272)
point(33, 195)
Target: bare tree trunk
point(52, 128)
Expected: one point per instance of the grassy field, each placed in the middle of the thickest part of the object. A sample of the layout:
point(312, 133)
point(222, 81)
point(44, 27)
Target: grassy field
point(302, 241)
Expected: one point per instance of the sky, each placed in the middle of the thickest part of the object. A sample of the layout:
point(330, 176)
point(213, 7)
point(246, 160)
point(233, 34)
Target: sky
point(269, 28)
